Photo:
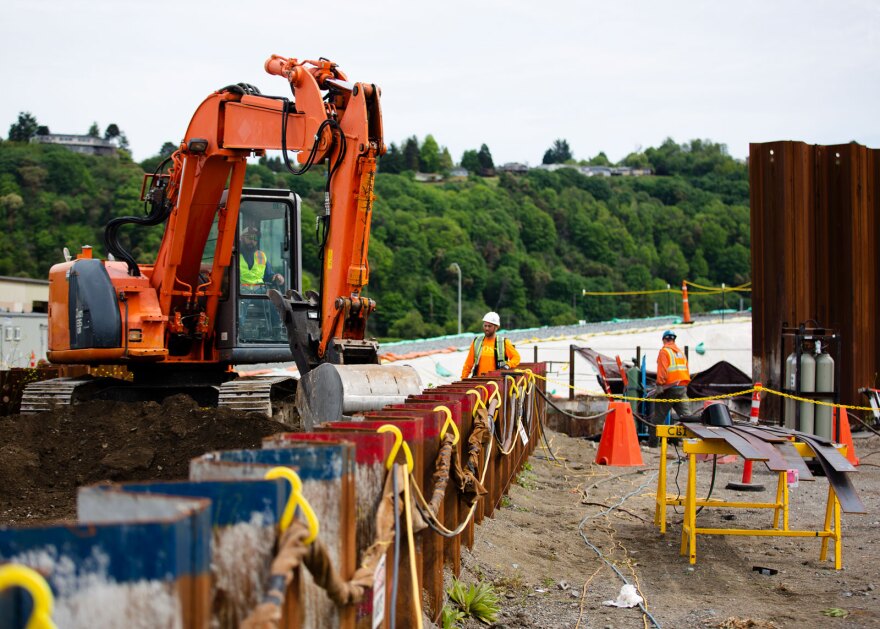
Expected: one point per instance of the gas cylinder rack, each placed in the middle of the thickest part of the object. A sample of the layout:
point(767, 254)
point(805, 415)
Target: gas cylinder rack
point(800, 349)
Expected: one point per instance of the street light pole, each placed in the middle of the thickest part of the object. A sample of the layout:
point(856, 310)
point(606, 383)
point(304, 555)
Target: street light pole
point(457, 268)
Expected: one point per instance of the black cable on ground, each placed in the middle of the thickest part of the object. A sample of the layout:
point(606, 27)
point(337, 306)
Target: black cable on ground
point(604, 559)
point(863, 423)
point(566, 413)
point(677, 471)
point(712, 482)
point(547, 443)
point(679, 459)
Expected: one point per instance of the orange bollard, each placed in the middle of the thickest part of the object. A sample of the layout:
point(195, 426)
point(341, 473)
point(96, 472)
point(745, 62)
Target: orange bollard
point(844, 435)
point(619, 444)
point(685, 308)
point(756, 404)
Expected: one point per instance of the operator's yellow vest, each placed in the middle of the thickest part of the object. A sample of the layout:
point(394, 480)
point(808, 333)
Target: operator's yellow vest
point(254, 274)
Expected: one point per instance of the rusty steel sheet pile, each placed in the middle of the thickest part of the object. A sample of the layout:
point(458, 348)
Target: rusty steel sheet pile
point(815, 228)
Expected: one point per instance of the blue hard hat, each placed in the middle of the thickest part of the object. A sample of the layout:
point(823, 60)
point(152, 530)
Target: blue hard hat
point(669, 334)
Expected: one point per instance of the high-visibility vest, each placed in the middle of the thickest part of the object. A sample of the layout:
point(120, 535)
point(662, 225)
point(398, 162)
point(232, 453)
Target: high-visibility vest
point(678, 366)
point(500, 353)
point(254, 274)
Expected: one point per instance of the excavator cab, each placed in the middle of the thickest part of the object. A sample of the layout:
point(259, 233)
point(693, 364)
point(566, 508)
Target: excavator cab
point(267, 255)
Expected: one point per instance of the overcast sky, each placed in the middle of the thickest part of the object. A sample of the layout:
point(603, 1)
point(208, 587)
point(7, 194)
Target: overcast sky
point(607, 76)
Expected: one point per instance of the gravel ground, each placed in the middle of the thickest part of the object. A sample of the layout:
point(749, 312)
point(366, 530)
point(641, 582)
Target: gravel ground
point(534, 552)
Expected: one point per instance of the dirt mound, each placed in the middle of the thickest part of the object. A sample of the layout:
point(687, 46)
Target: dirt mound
point(45, 457)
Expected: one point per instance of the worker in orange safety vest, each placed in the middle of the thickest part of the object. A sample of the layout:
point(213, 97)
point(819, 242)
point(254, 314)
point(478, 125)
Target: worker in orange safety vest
point(493, 352)
point(672, 379)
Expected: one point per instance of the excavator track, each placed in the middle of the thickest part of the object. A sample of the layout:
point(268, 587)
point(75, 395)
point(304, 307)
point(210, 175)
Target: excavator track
point(256, 395)
point(39, 397)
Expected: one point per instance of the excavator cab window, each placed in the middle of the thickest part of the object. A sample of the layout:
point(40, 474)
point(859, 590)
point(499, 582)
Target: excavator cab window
point(263, 261)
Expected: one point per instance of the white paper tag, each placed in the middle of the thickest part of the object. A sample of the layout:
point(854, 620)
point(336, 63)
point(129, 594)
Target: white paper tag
point(522, 434)
point(793, 476)
point(379, 593)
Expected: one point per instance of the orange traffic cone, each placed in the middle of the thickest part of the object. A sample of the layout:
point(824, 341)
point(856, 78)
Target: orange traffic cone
point(619, 444)
point(844, 435)
point(685, 306)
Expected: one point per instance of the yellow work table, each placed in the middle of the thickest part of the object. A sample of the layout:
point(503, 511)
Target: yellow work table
point(693, 446)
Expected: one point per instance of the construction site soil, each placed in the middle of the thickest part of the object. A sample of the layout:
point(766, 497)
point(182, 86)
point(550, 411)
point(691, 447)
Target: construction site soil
point(535, 549)
point(45, 457)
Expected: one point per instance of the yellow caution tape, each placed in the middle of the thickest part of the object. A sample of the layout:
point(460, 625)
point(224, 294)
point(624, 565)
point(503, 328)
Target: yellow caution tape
point(705, 290)
point(722, 396)
point(744, 287)
point(631, 292)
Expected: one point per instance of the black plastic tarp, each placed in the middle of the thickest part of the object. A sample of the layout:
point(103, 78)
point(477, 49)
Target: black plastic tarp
point(720, 378)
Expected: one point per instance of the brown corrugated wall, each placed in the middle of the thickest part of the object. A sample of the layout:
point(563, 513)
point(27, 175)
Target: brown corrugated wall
point(815, 228)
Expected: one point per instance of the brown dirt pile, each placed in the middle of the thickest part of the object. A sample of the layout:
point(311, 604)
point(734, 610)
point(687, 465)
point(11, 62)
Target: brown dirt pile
point(45, 457)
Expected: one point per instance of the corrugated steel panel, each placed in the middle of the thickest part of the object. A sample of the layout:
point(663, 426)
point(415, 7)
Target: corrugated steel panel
point(814, 229)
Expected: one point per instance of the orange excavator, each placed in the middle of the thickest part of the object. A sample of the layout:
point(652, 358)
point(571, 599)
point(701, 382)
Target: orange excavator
point(226, 285)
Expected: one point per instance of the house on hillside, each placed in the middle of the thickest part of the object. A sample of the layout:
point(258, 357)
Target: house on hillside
point(458, 171)
point(514, 167)
point(552, 167)
point(86, 144)
point(428, 177)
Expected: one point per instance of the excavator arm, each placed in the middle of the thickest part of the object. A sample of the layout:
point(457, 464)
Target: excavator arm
point(345, 129)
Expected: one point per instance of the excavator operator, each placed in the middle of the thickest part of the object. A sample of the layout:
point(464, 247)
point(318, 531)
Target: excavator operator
point(254, 269)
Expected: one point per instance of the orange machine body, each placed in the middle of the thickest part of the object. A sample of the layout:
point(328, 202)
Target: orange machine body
point(177, 297)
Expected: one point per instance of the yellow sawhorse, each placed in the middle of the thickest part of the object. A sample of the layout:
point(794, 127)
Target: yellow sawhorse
point(693, 446)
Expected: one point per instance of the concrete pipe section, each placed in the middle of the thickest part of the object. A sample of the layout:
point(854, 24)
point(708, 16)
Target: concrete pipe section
point(328, 392)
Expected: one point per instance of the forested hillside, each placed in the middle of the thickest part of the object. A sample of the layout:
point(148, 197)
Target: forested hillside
point(527, 244)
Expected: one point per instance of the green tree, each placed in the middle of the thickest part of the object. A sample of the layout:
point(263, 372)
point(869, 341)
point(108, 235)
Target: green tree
point(94, 131)
point(673, 266)
point(23, 129)
point(470, 161)
point(484, 157)
point(429, 155)
point(392, 161)
point(112, 131)
point(411, 154)
point(600, 160)
point(445, 163)
point(637, 160)
point(559, 153)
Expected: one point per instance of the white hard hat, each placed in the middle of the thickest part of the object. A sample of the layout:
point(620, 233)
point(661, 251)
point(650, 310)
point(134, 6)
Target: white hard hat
point(492, 317)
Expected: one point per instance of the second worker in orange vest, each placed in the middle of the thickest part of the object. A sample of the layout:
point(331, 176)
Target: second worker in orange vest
point(490, 352)
point(672, 379)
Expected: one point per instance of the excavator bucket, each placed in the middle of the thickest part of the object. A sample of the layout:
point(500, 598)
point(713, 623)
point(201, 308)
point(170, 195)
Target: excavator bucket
point(329, 391)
